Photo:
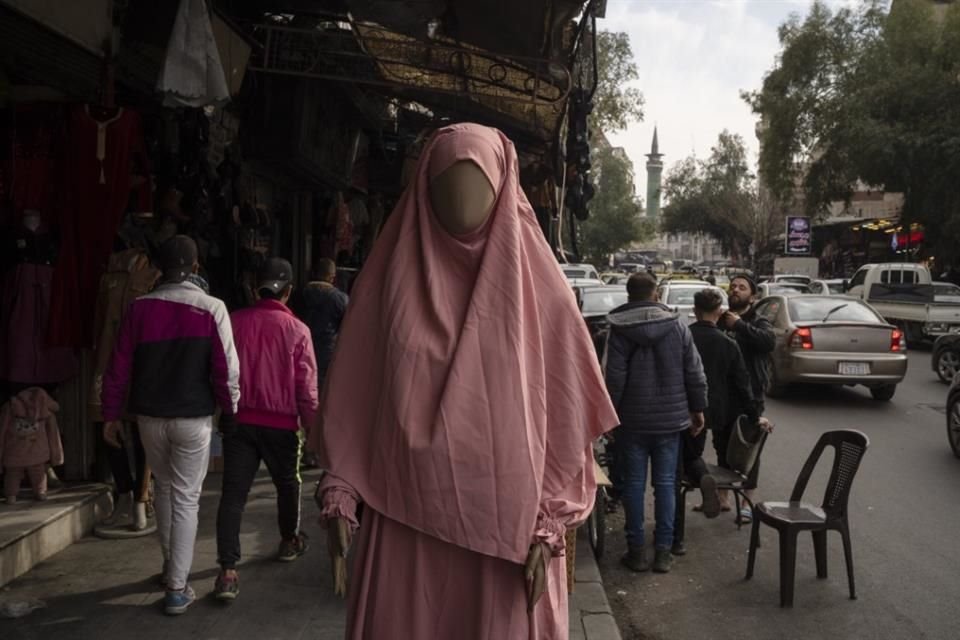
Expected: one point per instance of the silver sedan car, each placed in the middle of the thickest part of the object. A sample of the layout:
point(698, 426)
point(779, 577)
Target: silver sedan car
point(678, 295)
point(833, 340)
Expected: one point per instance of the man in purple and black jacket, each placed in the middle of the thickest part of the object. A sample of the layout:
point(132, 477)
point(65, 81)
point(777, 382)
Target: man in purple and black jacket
point(173, 363)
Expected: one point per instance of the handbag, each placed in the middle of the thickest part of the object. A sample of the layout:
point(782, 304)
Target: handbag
point(742, 451)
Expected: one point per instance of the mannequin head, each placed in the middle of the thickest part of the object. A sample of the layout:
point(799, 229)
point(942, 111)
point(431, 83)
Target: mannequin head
point(465, 174)
point(461, 197)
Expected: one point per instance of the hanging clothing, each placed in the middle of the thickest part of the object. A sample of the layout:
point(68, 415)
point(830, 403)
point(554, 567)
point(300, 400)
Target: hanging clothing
point(102, 156)
point(34, 160)
point(192, 75)
point(28, 431)
point(129, 276)
point(460, 408)
point(25, 356)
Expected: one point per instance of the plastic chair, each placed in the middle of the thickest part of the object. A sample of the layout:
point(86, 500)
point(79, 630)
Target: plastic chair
point(726, 479)
point(790, 518)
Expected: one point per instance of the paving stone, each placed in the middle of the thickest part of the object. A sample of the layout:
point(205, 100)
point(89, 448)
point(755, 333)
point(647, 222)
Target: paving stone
point(601, 627)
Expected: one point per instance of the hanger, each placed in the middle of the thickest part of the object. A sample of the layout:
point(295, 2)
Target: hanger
point(107, 108)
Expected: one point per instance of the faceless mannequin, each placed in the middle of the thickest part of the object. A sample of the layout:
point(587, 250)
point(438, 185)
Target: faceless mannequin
point(462, 199)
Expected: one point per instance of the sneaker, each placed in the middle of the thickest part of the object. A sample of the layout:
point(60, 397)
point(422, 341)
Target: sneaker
point(711, 498)
point(177, 602)
point(635, 560)
point(226, 588)
point(290, 550)
point(662, 561)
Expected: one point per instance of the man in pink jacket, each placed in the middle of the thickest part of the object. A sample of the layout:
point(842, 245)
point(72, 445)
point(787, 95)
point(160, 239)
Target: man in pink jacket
point(278, 397)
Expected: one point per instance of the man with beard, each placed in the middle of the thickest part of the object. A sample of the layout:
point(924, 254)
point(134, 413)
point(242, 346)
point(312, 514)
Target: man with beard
point(754, 335)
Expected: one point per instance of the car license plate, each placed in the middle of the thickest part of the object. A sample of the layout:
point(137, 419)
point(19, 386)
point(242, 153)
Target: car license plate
point(854, 368)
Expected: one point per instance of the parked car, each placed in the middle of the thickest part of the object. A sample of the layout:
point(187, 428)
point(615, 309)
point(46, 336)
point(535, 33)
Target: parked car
point(946, 292)
point(595, 304)
point(678, 295)
point(953, 416)
point(614, 278)
point(904, 295)
point(833, 340)
point(781, 289)
point(833, 287)
point(582, 275)
point(945, 358)
point(794, 278)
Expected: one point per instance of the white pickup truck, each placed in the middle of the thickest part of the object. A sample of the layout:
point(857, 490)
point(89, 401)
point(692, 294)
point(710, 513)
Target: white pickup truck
point(903, 294)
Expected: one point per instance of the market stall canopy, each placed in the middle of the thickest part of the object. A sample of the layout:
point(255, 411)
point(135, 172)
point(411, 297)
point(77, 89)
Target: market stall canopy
point(505, 64)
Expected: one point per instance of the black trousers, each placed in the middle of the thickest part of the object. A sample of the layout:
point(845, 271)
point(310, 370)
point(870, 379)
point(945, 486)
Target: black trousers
point(124, 478)
point(243, 450)
point(693, 465)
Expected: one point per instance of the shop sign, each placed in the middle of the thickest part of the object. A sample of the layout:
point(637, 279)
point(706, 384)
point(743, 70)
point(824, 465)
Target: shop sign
point(799, 237)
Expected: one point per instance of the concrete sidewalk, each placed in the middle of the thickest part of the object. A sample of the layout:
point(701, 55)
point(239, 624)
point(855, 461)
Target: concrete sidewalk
point(108, 590)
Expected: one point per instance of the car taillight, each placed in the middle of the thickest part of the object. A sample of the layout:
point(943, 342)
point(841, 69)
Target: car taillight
point(898, 342)
point(802, 338)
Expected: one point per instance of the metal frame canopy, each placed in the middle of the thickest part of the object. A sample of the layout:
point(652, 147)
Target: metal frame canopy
point(468, 59)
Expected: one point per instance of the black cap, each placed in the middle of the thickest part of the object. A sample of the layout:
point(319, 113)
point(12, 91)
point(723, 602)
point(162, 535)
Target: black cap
point(177, 257)
point(275, 275)
point(750, 281)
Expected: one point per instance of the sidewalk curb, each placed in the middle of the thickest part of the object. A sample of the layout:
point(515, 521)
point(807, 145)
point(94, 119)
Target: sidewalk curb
point(591, 617)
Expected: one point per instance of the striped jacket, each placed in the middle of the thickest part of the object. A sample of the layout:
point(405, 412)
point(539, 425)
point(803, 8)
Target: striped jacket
point(175, 356)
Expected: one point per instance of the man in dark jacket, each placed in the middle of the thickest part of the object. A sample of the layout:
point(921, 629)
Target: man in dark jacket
point(656, 381)
point(756, 339)
point(753, 333)
point(730, 395)
point(322, 307)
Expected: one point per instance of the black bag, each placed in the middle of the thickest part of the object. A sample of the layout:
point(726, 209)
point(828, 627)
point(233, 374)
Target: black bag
point(744, 446)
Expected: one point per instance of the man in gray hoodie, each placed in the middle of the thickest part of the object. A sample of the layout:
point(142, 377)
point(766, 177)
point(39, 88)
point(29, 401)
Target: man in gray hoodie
point(656, 381)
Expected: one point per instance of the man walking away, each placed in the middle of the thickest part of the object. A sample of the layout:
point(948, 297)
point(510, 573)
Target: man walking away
point(278, 384)
point(756, 339)
point(656, 381)
point(730, 395)
point(175, 355)
point(322, 309)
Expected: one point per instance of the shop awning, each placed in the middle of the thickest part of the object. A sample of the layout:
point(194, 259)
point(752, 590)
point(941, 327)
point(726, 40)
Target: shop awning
point(506, 64)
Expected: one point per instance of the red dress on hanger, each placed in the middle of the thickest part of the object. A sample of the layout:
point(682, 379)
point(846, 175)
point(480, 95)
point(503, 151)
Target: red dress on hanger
point(102, 156)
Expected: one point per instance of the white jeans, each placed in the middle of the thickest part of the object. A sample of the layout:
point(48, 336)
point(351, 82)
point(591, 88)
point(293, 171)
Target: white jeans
point(178, 451)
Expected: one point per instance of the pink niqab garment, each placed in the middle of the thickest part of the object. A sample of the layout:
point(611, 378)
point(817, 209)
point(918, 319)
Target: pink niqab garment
point(460, 408)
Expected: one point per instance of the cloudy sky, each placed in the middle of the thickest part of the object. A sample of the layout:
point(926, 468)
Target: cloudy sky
point(694, 58)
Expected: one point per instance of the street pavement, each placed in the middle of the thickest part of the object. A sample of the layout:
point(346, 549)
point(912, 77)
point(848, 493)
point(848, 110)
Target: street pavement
point(904, 515)
point(108, 589)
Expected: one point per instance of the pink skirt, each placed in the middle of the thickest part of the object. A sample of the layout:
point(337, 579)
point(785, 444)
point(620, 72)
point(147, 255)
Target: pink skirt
point(406, 585)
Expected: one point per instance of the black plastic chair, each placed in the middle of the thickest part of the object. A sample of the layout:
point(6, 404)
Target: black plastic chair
point(726, 479)
point(790, 518)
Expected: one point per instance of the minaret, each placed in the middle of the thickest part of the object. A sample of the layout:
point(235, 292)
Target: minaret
point(654, 170)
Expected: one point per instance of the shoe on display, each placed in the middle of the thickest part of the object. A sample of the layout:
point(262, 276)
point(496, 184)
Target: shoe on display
point(122, 511)
point(139, 516)
point(53, 482)
point(177, 602)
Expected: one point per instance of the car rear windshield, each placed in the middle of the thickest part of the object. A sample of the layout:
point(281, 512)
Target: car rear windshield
point(794, 279)
point(681, 295)
point(602, 301)
point(575, 274)
point(810, 309)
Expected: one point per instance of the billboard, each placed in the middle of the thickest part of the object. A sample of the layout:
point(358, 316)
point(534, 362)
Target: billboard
point(799, 236)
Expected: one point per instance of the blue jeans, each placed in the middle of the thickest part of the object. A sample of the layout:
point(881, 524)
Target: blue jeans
point(636, 450)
